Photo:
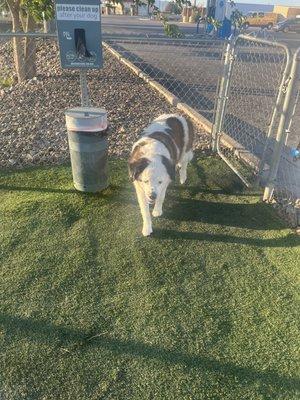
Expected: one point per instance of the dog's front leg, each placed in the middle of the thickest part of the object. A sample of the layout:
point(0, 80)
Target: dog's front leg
point(144, 206)
point(183, 166)
point(182, 171)
point(157, 211)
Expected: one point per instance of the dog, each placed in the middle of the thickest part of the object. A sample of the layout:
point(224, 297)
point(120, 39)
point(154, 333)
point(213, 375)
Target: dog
point(166, 145)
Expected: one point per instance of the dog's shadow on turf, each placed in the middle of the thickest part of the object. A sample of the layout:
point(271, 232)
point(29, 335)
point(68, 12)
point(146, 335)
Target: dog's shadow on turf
point(214, 178)
point(208, 197)
point(255, 216)
point(216, 196)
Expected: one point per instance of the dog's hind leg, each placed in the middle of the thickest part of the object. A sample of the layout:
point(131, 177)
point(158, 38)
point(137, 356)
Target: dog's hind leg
point(183, 166)
point(144, 207)
point(157, 211)
point(182, 171)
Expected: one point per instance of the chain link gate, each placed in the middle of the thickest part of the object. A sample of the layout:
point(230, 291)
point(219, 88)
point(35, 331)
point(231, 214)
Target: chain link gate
point(252, 88)
point(284, 178)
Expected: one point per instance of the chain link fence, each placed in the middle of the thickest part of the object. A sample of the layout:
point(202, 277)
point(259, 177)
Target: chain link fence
point(32, 121)
point(33, 48)
point(31, 114)
point(286, 182)
point(190, 69)
point(239, 87)
point(7, 67)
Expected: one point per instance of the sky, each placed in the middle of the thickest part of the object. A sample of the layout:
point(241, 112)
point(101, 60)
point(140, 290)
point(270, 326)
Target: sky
point(272, 2)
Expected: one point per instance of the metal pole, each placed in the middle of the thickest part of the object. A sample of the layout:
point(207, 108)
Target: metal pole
point(223, 92)
point(296, 102)
point(280, 97)
point(283, 126)
point(85, 99)
point(223, 110)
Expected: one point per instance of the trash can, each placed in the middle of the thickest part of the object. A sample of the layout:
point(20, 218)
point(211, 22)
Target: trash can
point(87, 136)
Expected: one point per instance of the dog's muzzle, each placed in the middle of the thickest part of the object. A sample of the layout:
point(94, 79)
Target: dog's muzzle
point(153, 196)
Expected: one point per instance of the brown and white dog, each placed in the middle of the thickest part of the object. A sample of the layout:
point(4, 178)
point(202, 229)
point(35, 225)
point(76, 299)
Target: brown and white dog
point(166, 145)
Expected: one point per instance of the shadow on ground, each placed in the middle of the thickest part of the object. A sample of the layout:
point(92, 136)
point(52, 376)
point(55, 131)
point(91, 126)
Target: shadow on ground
point(43, 331)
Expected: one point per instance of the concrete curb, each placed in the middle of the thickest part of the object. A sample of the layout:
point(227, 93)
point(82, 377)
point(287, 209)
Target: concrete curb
point(168, 95)
point(238, 150)
point(194, 115)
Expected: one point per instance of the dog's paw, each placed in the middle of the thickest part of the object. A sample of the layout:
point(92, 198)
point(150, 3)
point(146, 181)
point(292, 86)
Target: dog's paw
point(147, 231)
point(182, 176)
point(157, 213)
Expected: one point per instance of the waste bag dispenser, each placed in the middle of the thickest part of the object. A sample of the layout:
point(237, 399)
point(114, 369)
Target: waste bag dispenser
point(79, 34)
point(80, 47)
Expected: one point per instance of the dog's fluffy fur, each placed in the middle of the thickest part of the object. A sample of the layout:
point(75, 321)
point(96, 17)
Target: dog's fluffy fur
point(166, 145)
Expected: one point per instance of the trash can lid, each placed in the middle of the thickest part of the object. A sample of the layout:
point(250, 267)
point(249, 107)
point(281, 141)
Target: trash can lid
point(87, 119)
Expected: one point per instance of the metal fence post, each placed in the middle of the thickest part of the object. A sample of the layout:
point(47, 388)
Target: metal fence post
point(223, 93)
point(85, 99)
point(279, 100)
point(284, 123)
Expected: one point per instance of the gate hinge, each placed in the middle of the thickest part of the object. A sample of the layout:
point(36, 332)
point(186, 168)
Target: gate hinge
point(286, 84)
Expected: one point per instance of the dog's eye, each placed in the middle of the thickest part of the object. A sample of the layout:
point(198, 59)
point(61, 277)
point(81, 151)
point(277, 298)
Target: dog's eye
point(159, 182)
point(146, 181)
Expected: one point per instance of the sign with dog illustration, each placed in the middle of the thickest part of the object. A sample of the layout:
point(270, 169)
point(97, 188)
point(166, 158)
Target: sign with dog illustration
point(79, 34)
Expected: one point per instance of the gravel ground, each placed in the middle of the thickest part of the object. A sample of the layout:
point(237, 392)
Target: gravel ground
point(32, 123)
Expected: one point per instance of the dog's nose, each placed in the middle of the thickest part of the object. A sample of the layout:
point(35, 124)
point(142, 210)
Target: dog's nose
point(153, 196)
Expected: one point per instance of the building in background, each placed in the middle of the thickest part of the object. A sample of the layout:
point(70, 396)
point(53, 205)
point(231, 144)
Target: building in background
point(216, 8)
point(286, 11)
point(161, 4)
point(125, 8)
point(246, 8)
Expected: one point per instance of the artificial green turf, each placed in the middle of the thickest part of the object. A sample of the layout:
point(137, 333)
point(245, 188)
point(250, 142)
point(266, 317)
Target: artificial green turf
point(89, 309)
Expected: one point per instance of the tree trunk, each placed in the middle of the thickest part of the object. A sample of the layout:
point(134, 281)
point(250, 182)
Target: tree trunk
point(17, 41)
point(30, 50)
point(22, 20)
point(49, 26)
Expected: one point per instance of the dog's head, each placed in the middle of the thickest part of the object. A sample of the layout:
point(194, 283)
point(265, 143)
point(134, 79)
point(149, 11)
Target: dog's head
point(153, 176)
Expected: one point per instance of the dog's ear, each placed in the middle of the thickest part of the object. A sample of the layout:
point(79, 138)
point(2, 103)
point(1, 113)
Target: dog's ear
point(137, 167)
point(170, 167)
